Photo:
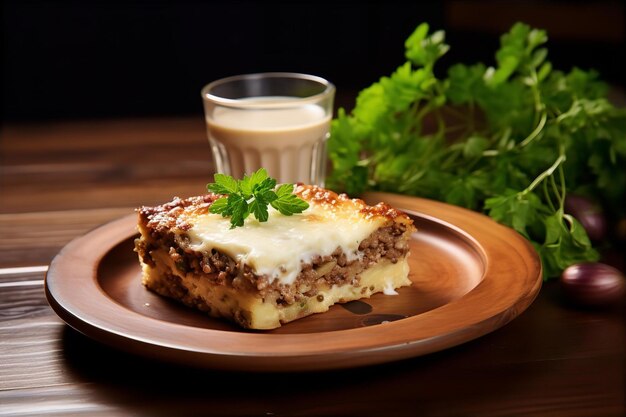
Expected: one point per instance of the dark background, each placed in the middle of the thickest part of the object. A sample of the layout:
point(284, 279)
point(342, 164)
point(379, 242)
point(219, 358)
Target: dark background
point(81, 59)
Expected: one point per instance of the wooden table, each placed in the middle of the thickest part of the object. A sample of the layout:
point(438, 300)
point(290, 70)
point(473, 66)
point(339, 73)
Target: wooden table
point(59, 180)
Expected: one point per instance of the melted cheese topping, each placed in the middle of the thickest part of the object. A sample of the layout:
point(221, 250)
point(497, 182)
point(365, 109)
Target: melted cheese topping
point(278, 247)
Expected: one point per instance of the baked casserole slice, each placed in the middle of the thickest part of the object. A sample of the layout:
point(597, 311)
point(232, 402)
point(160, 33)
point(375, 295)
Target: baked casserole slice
point(266, 274)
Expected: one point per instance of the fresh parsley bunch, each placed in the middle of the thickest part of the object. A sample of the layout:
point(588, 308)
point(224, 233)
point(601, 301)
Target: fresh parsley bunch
point(510, 140)
point(253, 194)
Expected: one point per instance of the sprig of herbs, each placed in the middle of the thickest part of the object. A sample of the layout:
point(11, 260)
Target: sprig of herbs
point(510, 140)
point(252, 195)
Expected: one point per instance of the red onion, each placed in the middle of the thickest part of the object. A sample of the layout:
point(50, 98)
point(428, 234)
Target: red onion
point(592, 284)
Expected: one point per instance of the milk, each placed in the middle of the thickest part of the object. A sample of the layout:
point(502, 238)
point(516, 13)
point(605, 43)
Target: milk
point(290, 142)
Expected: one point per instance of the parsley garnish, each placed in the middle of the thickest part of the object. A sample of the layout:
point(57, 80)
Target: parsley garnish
point(510, 140)
point(253, 194)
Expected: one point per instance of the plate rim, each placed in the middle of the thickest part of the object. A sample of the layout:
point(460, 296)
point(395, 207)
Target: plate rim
point(289, 352)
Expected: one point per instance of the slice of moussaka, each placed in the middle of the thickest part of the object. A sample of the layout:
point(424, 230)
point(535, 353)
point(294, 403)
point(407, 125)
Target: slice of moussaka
point(262, 275)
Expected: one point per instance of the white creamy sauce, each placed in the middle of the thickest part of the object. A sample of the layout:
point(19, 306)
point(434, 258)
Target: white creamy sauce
point(389, 290)
point(278, 247)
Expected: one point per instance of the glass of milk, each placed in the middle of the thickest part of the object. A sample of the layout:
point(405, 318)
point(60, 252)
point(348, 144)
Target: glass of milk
point(278, 121)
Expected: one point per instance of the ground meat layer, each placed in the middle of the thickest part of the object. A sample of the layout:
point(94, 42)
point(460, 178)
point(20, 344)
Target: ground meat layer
point(390, 243)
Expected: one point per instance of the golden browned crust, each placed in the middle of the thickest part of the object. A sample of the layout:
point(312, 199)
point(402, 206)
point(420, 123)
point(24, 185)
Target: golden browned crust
point(167, 216)
point(313, 193)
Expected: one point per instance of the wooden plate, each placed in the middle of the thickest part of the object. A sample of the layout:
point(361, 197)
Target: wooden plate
point(470, 276)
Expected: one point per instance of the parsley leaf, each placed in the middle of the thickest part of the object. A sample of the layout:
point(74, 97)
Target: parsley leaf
point(252, 195)
point(238, 210)
point(284, 190)
point(289, 204)
point(224, 184)
point(220, 206)
point(509, 139)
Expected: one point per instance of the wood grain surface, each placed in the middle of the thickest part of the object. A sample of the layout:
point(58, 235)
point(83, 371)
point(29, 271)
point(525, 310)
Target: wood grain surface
point(61, 180)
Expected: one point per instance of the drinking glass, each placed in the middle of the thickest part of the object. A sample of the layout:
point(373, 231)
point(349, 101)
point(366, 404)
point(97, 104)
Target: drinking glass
point(279, 121)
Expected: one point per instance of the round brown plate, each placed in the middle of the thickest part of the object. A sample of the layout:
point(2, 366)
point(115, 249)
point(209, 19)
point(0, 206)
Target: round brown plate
point(470, 276)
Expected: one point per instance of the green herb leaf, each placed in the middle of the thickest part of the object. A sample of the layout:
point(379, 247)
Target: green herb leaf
point(509, 138)
point(259, 208)
point(284, 190)
point(220, 206)
point(252, 195)
point(224, 184)
point(425, 50)
point(238, 210)
point(289, 204)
